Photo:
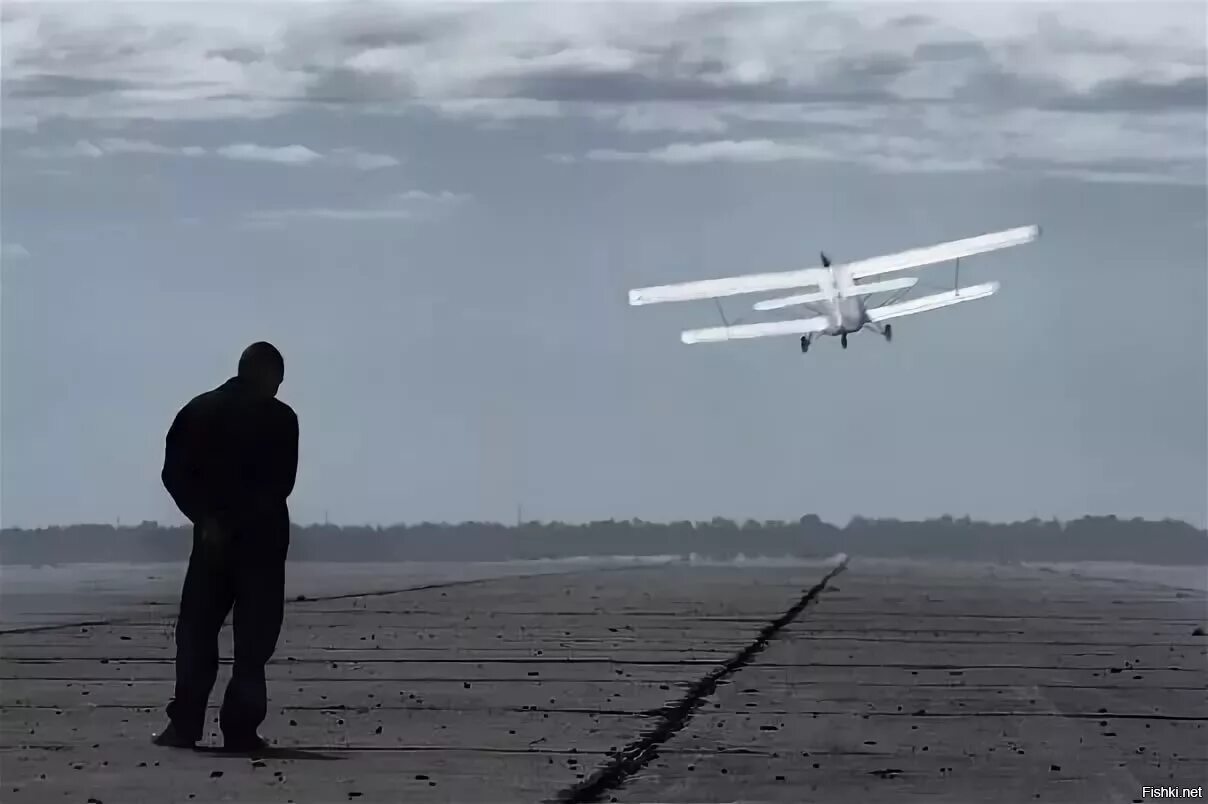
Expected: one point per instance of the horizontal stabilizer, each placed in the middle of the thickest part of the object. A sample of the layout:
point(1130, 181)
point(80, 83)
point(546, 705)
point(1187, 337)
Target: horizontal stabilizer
point(934, 302)
point(865, 289)
point(929, 255)
point(789, 301)
point(883, 286)
point(801, 326)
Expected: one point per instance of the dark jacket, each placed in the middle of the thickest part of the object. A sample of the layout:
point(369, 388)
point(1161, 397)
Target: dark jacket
point(233, 456)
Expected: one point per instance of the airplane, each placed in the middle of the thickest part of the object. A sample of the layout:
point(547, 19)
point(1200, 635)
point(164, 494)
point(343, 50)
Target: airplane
point(844, 310)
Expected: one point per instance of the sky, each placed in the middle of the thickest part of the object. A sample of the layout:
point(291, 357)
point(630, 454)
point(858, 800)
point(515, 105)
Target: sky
point(435, 212)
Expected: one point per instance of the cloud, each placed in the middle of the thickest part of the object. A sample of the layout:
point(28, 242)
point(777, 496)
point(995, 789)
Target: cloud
point(124, 59)
point(14, 252)
point(688, 153)
point(409, 205)
point(496, 110)
point(241, 152)
point(643, 118)
point(886, 156)
point(285, 155)
point(79, 149)
point(361, 160)
point(1166, 150)
point(124, 146)
point(745, 71)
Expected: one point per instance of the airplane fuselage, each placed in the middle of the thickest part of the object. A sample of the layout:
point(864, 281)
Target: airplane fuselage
point(847, 315)
point(845, 307)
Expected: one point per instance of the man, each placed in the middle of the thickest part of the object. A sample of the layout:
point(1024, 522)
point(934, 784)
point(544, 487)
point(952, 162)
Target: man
point(230, 460)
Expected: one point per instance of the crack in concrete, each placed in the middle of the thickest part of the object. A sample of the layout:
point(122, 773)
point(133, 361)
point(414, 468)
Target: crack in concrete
point(133, 619)
point(634, 757)
point(278, 660)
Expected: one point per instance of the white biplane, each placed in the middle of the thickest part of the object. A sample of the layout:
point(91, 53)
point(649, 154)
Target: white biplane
point(839, 304)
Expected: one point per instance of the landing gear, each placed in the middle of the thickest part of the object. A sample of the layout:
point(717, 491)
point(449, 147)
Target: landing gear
point(805, 343)
point(843, 339)
point(889, 332)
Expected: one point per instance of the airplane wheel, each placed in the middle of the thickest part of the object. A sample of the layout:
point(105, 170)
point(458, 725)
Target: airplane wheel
point(889, 332)
point(805, 344)
point(843, 340)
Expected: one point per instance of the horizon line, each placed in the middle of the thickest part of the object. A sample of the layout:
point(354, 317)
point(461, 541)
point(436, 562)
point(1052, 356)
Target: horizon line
point(514, 525)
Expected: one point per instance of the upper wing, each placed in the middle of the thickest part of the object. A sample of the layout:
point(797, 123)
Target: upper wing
point(726, 286)
point(800, 326)
point(933, 302)
point(929, 255)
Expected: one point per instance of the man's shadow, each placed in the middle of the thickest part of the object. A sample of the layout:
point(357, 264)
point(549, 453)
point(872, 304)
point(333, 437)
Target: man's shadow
point(272, 752)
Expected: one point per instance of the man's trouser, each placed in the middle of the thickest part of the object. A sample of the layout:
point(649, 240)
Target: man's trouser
point(247, 574)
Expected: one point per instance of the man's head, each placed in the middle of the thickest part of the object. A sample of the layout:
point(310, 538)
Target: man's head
point(262, 367)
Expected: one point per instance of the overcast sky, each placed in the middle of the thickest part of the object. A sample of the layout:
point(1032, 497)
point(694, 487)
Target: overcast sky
point(436, 212)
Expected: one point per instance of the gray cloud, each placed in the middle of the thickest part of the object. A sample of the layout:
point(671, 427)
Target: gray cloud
point(409, 205)
point(1120, 150)
point(240, 55)
point(284, 155)
point(64, 86)
point(124, 146)
point(688, 153)
point(360, 160)
point(748, 71)
point(241, 152)
point(629, 53)
point(889, 156)
point(951, 51)
point(14, 252)
point(1137, 95)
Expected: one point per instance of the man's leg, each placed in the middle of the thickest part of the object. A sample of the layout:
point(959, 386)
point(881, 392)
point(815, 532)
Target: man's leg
point(205, 601)
point(259, 611)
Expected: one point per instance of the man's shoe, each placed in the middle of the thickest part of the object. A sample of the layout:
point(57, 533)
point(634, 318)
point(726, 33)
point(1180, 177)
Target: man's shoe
point(244, 745)
point(172, 738)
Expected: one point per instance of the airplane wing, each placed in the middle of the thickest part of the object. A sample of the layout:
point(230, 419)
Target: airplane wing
point(929, 255)
point(933, 302)
point(726, 286)
point(783, 280)
point(765, 329)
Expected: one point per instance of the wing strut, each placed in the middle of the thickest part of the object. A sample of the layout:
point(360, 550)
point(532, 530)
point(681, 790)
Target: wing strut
point(721, 313)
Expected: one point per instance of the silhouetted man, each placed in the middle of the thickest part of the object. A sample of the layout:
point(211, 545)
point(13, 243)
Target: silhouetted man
point(230, 461)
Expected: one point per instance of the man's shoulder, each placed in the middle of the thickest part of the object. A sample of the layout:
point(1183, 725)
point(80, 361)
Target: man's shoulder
point(283, 411)
point(201, 402)
point(228, 401)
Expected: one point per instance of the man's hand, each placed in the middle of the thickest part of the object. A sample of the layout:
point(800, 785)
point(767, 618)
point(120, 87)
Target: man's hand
point(214, 537)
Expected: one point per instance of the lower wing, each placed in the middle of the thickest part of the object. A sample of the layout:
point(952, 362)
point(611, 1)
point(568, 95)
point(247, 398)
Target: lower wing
point(926, 303)
point(801, 326)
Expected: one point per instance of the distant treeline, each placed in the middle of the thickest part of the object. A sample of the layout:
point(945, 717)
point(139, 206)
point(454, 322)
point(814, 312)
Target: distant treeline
point(1087, 539)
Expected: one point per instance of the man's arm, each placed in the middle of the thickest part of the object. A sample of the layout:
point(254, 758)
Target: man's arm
point(285, 456)
point(180, 474)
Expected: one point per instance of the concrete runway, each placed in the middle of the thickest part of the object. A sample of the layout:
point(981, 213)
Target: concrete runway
point(888, 681)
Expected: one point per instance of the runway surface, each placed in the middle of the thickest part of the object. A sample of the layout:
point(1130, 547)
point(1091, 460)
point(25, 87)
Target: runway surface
point(882, 681)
